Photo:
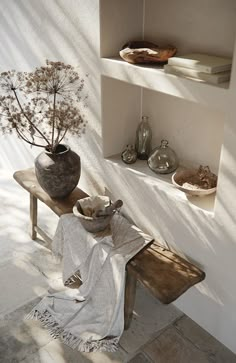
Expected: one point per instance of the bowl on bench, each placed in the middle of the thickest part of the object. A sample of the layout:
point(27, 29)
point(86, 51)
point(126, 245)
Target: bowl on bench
point(92, 225)
point(99, 212)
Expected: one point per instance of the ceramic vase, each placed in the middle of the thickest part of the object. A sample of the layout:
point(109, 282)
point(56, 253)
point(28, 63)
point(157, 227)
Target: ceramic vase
point(58, 173)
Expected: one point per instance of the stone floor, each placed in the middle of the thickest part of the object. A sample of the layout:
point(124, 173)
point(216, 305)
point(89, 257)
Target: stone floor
point(158, 333)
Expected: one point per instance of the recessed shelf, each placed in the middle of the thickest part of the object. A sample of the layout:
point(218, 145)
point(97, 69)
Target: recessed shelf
point(162, 22)
point(190, 26)
point(194, 131)
point(142, 173)
point(154, 78)
point(190, 114)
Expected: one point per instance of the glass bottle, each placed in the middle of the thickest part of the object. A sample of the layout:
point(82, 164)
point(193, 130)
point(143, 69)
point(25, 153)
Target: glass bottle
point(143, 139)
point(163, 159)
point(129, 155)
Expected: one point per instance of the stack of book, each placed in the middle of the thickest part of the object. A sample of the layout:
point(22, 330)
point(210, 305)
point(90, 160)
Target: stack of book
point(203, 67)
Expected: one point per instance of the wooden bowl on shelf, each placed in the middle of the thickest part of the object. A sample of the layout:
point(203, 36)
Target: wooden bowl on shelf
point(180, 180)
point(141, 51)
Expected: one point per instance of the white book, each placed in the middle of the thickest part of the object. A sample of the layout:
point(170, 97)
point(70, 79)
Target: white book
point(202, 62)
point(213, 78)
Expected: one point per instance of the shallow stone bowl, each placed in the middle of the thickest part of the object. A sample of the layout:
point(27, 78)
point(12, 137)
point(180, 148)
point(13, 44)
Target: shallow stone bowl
point(92, 225)
point(182, 174)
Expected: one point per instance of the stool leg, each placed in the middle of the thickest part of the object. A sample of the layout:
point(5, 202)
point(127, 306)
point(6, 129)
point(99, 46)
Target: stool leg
point(33, 216)
point(130, 290)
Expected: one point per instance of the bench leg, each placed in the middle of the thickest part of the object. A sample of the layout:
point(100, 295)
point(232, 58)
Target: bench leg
point(33, 216)
point(130, 290)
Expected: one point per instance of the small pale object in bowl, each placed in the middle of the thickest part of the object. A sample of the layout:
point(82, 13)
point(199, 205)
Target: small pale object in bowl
point(95, 213)
point(195, 182)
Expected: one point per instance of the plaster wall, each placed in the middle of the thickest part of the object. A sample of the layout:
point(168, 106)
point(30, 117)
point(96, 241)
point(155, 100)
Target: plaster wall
point(34, 30)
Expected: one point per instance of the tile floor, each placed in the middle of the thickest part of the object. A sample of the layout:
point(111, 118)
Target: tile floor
point(158, 333)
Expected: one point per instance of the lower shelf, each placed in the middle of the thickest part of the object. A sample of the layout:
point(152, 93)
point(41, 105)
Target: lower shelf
point(164, 183)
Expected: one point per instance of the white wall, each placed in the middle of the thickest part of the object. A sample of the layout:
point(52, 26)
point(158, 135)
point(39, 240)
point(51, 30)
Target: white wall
point(68, 30)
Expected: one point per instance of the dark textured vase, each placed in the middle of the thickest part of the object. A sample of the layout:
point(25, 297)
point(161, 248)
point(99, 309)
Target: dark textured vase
point(58, 173)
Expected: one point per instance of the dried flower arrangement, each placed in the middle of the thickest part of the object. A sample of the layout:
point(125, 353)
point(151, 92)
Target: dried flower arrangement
point(43, 105)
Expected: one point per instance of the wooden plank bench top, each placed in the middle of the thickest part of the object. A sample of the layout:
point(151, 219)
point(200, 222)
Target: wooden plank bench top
point(27, 179)
point(163, 272)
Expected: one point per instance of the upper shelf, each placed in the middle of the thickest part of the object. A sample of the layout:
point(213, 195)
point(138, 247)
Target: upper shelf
point(191, 26)
point(203, 26)
point(154, 78)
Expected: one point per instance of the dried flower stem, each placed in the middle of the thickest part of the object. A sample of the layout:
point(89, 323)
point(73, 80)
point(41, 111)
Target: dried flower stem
point(53, 119)
point(27, 118)
point(26, 140)
point(64, 134)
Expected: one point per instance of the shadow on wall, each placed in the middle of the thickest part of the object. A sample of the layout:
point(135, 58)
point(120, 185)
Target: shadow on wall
point(16, 154)
point(32, 31)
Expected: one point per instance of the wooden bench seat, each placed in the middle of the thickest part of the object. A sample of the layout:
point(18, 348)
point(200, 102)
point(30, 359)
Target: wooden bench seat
point(163, 272)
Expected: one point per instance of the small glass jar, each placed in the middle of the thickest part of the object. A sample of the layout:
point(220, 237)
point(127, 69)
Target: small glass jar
point(143, 139)
point(163, 159)
point(129, 155)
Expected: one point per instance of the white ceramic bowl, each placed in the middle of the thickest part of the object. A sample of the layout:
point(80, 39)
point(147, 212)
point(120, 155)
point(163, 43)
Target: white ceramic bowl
point(180, 175)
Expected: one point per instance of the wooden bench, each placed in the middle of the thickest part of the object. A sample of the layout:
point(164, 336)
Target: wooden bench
point(163, 272)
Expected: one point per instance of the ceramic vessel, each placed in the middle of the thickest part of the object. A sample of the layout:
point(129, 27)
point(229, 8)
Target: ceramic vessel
point(179, 178)
point(58, 173)
point(91, 224)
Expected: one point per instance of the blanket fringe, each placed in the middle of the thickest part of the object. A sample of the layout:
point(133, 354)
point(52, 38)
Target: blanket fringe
point(48, 322)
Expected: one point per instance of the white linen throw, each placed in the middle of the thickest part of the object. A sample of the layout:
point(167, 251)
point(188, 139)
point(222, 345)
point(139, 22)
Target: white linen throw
point(90, 318)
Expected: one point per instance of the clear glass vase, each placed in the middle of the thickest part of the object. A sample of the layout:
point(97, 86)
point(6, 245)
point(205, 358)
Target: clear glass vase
point(129, 155)
point(143, 139)
point(163, 159)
